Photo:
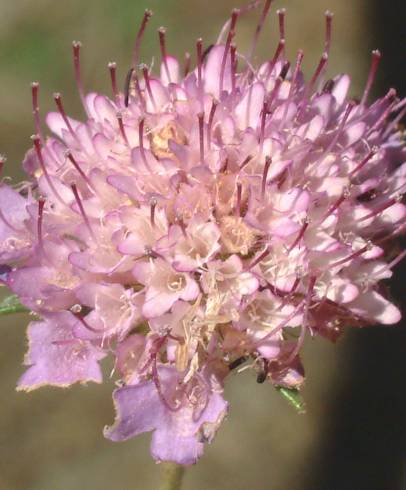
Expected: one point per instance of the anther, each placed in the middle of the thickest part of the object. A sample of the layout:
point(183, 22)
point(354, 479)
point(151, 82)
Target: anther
point(375, 58)
point(162, 44)
point(112, 66)
point(138, 39)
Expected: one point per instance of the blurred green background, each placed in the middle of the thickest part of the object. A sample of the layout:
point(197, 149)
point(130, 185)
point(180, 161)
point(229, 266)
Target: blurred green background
point(353, 435)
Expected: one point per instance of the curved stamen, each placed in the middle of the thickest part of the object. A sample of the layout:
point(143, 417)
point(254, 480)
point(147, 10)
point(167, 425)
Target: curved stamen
point(162, 44)
point(76, 46)
point(260, 25)
point(375, 58)
point(138, 39)
point(82, 210)
point(112, 66)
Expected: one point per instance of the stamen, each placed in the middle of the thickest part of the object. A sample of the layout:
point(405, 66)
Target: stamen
point(380, 208)
point(345, 195)
point(233, 65)
point(127, 83)
point(398, 259)
point(138, 39)
point(350, 106)
point(58, 101)
point(234, 16)
point(329, 22)
point(121, 127)
point(260, 25)
point(365, 160)
point(144, 69)
point(299, 235)
point(375, 58)
point(187, 64)
point(281, 13)
point(201, 136)
point(390, 98)
point(210, 122)
point(113, 77)
point(264, 113)
point(279, 49)
point(41, 204)
point(37, 145)
point(260, 257)
point(199, 61)
point(69, 155)
point(82, 211)
point(319, 70)
point(76, 45)
point(268, 161)
point(207, 51)
point(299, 60)
point(350, 257)
point(35, 109)
point(239, 198)
point(162, 44)
point(153, 203)
point(245, 162)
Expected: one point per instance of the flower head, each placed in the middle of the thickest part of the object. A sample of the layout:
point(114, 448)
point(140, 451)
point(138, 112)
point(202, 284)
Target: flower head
point(201, 219)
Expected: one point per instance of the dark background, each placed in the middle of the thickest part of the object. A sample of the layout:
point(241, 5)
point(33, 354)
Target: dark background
point(353, 436)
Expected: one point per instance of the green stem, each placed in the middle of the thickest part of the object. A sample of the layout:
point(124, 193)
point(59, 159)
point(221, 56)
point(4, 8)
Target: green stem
point(171, 476)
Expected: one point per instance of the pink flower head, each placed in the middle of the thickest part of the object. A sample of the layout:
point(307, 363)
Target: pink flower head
point(202, 218)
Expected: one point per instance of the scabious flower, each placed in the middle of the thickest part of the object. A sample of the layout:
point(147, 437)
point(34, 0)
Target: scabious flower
point(201, 219)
